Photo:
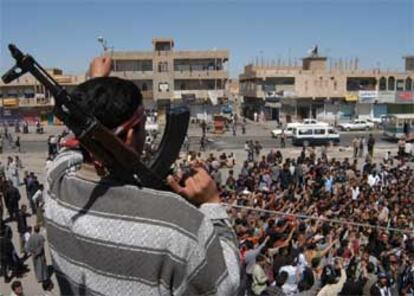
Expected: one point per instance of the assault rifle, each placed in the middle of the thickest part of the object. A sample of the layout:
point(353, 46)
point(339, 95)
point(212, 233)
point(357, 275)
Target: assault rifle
point(118, 158)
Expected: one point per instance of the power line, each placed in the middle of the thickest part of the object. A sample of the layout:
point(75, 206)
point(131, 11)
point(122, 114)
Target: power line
point(277, 213)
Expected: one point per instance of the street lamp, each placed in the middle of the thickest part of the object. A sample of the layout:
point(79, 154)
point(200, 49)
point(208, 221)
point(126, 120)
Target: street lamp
point(103, 42)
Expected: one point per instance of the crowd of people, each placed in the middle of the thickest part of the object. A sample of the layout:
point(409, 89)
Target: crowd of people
point(311, 225)
point(321, 226)
point(14, 211)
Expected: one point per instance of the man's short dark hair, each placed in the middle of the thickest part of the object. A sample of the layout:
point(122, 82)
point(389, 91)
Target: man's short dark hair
point(16, 284)
point(281, 278)
point(315, 262)
point(110, 99)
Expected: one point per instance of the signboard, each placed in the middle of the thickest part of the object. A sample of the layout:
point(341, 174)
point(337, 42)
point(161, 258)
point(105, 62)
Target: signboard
point(367, 96)
point(351, 97)
point(404, 97)
point(63, 79)
point(273, 105)
point(10, 102)
point(9, 115)
point(386, 97)
point(280, 94)
point(163, 86)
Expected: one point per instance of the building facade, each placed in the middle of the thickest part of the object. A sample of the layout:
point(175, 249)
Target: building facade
point(166, 76)
point(26, 99)
point(311, 90)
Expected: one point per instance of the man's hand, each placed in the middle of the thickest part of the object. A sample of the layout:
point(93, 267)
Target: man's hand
point(198, 188)
point(100, 67)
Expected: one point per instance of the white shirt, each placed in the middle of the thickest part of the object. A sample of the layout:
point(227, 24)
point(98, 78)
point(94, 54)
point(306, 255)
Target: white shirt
point(355, 193)
point(37, 195)
point(291, 286)
point(408, 148)
point(373, 180)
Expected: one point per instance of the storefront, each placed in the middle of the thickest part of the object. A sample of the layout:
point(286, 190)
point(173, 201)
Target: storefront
point(272, 108)
point(404, 103)
point(251, 106)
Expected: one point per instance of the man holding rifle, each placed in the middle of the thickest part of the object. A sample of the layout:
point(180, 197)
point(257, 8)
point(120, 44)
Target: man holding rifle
point(108, 238)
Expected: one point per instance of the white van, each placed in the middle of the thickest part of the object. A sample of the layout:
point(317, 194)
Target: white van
point(306, 135)
point(288, 130)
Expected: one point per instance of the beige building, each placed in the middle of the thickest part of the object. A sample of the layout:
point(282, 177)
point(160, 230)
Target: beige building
point(168, 76)
point(25, 98)
point(342, 91)
point(163, 74)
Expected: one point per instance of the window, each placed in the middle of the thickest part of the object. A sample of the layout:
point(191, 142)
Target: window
point(132, 65)
point(144, 87)
point(319, 131)
point(331, 131)
point(305, 132)
point(408, 84)
point(29, 94)
point(400, 84)
point(391, 83)
point(335, 85)
point(383, 83)
point(162, 67)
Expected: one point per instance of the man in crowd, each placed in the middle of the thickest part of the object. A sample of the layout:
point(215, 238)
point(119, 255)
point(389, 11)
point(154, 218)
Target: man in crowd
point(370, 144)
point(17, 289)
point(21, 219)
point(12, 198)
point(35, 246)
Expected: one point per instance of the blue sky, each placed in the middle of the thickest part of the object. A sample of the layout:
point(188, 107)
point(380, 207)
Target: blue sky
point(63, 33)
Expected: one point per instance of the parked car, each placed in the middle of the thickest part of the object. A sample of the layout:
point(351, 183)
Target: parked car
point(357, 124)
point(377, 121)
point(315, 122)
point(306, 135)
point(288, 129)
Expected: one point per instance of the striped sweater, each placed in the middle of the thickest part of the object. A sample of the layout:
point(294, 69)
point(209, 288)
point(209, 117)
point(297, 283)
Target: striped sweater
point(111, 239)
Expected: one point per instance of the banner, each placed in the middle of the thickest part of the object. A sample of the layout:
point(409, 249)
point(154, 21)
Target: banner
point(386, 97)
point(367, 96)
point(405, 97)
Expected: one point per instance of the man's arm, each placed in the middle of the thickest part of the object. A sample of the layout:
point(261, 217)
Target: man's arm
point(200, 189)
point(100, 67)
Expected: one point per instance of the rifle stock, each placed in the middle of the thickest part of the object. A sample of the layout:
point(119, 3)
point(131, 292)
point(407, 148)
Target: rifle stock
point(101, 142)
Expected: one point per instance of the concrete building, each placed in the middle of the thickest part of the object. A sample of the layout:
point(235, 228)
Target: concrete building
point(26, 99)
point(167, 76)
point(340, 92)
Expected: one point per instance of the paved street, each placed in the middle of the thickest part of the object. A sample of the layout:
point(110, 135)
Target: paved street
point(254, 131)
point(35, 153)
